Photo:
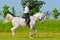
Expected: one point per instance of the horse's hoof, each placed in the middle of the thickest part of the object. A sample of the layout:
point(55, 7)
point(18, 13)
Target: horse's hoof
point(42, 22)
point(30, 37)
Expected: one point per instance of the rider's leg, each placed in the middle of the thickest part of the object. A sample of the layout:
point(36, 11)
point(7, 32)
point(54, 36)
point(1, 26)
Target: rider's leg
point(27, 18)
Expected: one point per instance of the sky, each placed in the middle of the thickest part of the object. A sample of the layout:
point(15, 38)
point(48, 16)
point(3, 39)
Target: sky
point(50, 4)
point(11, 3)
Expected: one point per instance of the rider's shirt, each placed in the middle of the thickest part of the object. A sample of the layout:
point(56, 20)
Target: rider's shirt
point(26, 10)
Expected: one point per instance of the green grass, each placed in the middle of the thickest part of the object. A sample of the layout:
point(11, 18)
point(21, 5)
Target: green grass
point(49, 30)
point(47, 26)
point(25, 36)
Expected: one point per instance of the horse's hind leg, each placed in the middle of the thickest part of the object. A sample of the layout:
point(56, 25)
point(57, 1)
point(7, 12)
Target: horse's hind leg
point(31, 27)
point(13, 29)
point(42, 19)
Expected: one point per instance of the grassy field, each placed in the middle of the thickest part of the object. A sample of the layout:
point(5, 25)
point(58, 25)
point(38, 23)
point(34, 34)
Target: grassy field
point(49, 30)
point(25, 36)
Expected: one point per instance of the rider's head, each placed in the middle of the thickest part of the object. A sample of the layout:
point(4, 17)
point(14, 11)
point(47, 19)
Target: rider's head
point(27, 4)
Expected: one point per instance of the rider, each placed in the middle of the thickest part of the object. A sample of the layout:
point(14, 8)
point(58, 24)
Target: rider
point(27, 13)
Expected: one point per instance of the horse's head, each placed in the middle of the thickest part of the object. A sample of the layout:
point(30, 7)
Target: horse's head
point(47, 13)
point(40, 16)
point(8, 18)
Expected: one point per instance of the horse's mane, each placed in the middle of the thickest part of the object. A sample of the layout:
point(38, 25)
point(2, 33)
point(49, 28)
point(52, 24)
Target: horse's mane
point(11, 14)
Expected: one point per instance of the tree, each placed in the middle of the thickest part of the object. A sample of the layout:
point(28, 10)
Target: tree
point(55, 13)
point(0, 12)
point(13, 11)
point(35, 5)
point(5, 10)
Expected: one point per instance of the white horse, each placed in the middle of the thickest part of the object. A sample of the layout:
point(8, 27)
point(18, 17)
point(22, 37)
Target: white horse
point(17, 21)
point(41, 16)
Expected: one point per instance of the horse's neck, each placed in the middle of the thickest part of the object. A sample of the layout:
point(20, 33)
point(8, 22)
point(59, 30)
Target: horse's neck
point(33, 18)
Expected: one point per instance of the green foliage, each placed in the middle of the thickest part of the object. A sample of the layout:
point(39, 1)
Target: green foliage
point(5, 10)
point(35, 5)
point(47, 26)
point(5, 27)
point(0, 12)
point(23, 16)
point(13, 11)
point(55, 13)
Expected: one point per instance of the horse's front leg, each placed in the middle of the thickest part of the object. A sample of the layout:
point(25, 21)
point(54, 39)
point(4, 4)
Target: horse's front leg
point(31, 27)
point(35, 30)
point(42, 19)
